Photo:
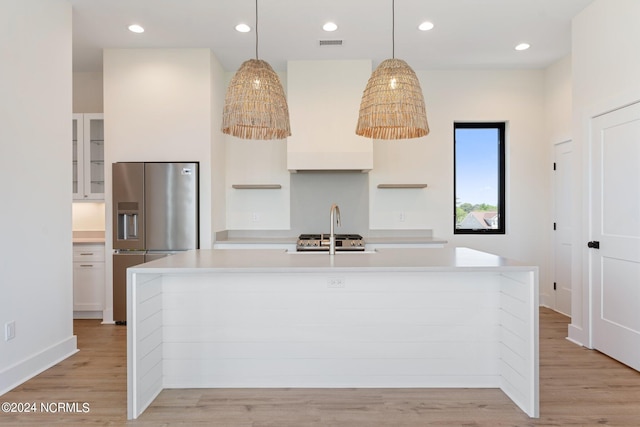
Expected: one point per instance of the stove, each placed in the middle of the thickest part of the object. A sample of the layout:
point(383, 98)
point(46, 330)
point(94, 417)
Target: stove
point(320, 242)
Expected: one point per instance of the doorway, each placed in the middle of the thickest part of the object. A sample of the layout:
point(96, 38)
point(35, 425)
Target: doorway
point(563, 224)
point(614, 254)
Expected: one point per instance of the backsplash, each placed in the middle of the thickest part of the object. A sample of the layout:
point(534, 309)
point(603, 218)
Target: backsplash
point(88, 216)
point(313, 193)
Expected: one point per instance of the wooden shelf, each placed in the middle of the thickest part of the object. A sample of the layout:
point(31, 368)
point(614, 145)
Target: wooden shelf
point(257, 186)
point(402, 185)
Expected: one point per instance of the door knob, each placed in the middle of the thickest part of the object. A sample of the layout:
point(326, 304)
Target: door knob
point(594, 244)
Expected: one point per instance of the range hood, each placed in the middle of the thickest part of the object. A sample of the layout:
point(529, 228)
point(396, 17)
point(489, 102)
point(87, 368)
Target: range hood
point(324, 100)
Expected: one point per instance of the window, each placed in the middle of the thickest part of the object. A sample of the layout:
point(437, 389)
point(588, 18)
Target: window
point(479, 178)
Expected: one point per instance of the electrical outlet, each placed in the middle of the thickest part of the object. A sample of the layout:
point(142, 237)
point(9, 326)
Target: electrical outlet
point(335, 282)
point(402, 216)
point(255, 216)
point(9, 330)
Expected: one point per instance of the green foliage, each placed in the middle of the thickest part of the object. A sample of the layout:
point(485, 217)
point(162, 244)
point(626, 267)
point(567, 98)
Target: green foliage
point(463, 209)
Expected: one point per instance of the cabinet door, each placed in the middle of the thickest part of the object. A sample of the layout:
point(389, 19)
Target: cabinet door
point(77, 124)
point(87, 252)
point(88, 156)
point(93, 156)
point(88, 286)
point(88, 277)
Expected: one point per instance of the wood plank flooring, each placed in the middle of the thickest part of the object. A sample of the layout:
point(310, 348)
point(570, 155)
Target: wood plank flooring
point(578, 387)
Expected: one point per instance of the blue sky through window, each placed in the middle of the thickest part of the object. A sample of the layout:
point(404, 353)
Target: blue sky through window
point(477, 166)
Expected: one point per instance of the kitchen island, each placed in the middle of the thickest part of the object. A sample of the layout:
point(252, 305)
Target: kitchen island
point(393, 318)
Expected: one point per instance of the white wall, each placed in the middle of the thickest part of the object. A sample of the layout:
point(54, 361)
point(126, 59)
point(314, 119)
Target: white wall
point(158, 107)
point(87, 92)
point(558, 102)
point(606, 66)
point(256, 162)
point(515, 96)
point(35, 177)
point(218, 148)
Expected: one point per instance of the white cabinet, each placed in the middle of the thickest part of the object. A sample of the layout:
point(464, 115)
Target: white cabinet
point(324, 102)
point(88, 156)
point(88, 280)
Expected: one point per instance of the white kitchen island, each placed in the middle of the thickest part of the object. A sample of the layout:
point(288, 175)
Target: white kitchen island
point(396, 318)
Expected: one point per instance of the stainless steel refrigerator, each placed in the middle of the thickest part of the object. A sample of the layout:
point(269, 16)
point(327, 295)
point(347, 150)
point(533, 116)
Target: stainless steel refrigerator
point(155, 214)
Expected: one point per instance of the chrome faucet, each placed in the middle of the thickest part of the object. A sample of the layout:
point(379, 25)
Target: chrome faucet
point(334, 216)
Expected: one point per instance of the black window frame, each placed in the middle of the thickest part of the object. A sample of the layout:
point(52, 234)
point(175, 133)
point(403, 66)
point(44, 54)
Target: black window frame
point(502, 218)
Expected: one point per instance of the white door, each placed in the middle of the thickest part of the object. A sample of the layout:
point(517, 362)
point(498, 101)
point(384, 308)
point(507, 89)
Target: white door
point(615, 226)
point(563, 224)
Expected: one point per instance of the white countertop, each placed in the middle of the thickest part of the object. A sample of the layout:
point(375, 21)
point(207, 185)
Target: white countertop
point(276, 260)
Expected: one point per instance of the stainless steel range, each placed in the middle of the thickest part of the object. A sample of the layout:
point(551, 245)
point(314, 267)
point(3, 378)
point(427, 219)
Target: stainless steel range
point(320, 242)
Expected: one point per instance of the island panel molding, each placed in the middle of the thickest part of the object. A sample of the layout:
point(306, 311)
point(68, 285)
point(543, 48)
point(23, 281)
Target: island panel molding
point(222, 318)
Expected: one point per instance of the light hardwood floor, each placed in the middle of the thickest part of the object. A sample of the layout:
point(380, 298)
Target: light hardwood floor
point(578, 387)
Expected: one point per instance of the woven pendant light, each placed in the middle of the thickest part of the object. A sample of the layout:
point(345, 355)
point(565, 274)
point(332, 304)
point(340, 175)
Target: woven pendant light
point(255, 106)
point(392, 105)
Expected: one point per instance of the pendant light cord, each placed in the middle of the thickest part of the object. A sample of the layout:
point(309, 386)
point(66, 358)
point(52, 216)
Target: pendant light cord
point(393, 29)
point(256, 29)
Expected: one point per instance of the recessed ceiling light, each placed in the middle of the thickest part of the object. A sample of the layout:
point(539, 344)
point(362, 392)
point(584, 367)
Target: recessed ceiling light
point(425, 26)
point(330, 26)
point(135, 28)
point(523, 46)
point(243, 28)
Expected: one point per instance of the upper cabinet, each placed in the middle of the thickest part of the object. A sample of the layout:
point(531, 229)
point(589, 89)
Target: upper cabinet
point(88, 156)
point(324, 101)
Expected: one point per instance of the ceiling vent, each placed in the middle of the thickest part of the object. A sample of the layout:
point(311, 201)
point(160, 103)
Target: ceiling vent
point(330, 42)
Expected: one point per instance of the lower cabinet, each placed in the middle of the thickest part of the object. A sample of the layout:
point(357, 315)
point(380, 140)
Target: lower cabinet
point(88, 280)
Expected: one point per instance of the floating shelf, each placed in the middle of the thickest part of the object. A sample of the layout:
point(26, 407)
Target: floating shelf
point(402, 185)
point(256, 186)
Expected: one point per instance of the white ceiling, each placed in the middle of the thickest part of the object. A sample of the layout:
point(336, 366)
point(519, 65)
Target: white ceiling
point(467, 33)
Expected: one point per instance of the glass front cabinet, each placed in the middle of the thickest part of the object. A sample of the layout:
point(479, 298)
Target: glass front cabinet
point(88, 156)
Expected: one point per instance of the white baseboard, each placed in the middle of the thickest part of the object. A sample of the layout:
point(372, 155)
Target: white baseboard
point(107, 317)
point(22, 371)
point(571, 340)
point(546, 301)
point(574, 335)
